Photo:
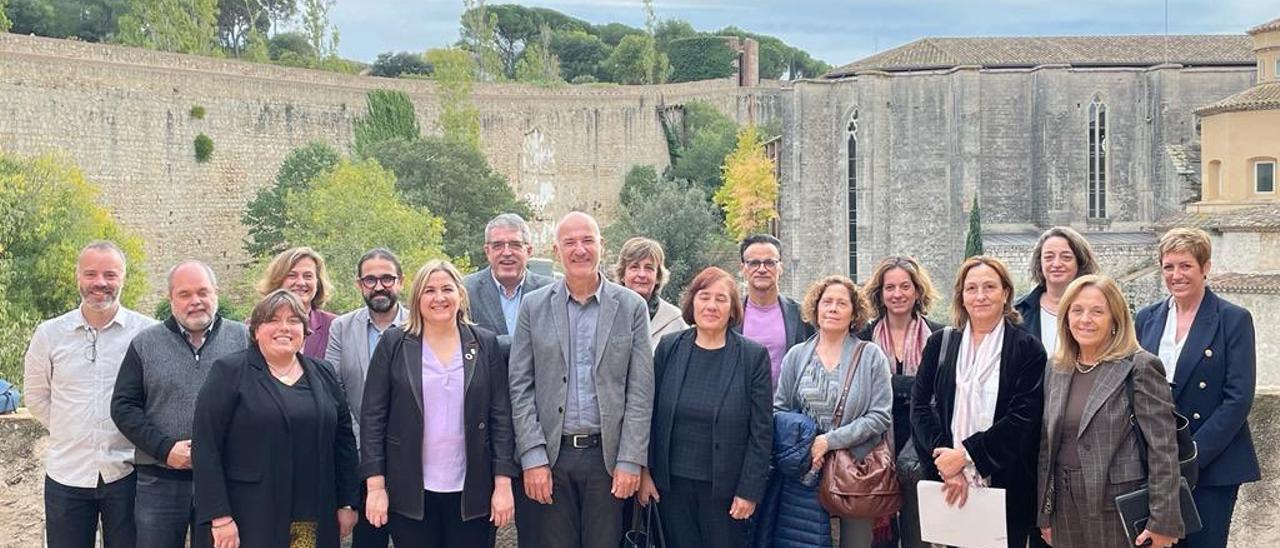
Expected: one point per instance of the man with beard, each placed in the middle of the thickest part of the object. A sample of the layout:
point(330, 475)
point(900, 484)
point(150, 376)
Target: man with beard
point(495, 295)
point(155, 398)
point(70, 368)
point(770, 319)
point(352, 338)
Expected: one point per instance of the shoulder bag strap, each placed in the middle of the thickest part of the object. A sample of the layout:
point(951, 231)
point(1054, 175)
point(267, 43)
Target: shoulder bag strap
point(1137, 428)
point(848, 383)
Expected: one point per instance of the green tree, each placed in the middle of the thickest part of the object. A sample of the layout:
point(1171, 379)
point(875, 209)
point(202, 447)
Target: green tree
point(455, 77)
point(266, 216)
point(632, 61)
point(708, 137)
point(668, 30)
point(641, 180)
point(694, 243)
point(453, 179)
point(48, 211)
point(5, 23)
point(973, 240)
point(613, 33)
point(580, 54)
point(239, 19)
point(390, 116)
point(87, 20)
point(480, 37)
point(538, 65)
point(315, 26)
point(16, 327)
point(333, 217)
point(291, 49)
point(183, 26)
point(393, 65)
point(749, 195)
point(700, 58)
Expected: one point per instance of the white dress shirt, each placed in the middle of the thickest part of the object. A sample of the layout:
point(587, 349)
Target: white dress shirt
point(70, 373)
point(1049, 331)
point(1170, 349)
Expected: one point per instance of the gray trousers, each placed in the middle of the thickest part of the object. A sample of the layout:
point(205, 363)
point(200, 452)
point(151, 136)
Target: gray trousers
point(583, 512)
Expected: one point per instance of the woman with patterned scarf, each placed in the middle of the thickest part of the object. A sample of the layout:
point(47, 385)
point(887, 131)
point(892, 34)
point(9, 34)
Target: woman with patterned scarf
point(901, 293)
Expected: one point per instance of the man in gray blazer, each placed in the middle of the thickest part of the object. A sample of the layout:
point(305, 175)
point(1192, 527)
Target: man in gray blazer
point(496, 291)
point(352, 338)
point(581, 378)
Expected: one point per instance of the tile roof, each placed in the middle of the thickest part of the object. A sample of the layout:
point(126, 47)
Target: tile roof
point(1031, 51)
point(1274, 24)
point(1261, 218)
point(1235, 282)
point(1185, 158)
point(1264, 96)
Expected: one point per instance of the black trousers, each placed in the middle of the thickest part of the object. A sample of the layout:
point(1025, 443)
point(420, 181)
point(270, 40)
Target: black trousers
point(583, 512)
point(71, 514)
point(441, 525)
point(365, 535)
point(692, 518)
point(526, 510)
point(1216, 504)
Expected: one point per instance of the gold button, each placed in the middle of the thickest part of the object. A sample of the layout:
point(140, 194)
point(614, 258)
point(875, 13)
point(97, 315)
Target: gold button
point(1203, 385)
point(1208, 352)
point(1195, 416)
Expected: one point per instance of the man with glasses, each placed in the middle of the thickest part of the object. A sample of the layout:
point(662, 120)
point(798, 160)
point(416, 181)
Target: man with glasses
point(155, 398)
point(495, 294)
point(70, 370)
point(352, 338)
point(769, 319)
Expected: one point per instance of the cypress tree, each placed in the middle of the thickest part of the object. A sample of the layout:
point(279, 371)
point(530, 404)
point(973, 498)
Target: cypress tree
point(973, 243)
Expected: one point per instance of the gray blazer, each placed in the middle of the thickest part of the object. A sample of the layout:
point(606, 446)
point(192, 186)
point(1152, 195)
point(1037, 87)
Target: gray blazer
point(623, 373)
point(1108, 441)
point(348, 352)
point(486, 304)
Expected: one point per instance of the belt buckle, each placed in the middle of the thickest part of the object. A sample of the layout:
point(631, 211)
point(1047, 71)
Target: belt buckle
point(576, 437)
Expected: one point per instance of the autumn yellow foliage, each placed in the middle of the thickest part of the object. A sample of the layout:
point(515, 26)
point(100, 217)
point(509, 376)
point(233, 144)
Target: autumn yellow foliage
point(749, 195)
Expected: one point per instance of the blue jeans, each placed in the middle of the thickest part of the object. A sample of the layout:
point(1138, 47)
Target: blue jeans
point(163, 510)
point(71, 514)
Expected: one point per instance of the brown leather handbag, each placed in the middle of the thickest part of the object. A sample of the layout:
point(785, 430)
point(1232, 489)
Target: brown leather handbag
point(852, 488)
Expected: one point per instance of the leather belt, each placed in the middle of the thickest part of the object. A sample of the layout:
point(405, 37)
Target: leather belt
point(580, 441)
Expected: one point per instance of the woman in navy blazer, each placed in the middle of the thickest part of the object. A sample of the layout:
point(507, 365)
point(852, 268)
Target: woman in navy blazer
point(1207, 346)
point(710, 475)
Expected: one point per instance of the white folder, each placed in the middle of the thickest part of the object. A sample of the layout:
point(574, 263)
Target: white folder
point(980, 523)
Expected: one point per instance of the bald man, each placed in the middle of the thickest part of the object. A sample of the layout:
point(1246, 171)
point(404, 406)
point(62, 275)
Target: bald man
point(581, 376)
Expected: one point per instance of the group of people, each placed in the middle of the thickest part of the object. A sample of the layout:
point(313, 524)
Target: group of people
point(569, 405)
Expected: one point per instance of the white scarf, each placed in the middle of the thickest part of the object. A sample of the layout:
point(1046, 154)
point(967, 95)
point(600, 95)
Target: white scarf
point(973, 412)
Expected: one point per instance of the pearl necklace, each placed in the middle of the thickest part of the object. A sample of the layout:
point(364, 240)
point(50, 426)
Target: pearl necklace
point(1084, 368)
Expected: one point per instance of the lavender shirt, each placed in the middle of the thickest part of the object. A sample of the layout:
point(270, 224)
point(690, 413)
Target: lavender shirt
point(444, 451)
point(766, 326)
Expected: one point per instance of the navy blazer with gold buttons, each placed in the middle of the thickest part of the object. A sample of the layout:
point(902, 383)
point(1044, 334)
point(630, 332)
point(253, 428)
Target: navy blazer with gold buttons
point(1214, 384)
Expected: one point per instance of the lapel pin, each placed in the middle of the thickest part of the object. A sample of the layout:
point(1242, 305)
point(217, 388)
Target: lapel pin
point(1208, 352)
point(471, 353)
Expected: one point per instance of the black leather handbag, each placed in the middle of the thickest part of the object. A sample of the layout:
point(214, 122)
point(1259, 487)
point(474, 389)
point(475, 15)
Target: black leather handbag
point(646, 529)
point(1134, 507)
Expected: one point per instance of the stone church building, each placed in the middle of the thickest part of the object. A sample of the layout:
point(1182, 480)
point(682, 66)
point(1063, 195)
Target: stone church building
point(886, 154)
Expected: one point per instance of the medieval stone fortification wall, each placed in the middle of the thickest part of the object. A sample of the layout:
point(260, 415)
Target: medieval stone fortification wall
point(123, 115)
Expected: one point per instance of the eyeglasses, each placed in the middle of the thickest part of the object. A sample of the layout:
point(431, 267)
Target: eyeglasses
point(387, 280)
point(91, 351)
point(513, 245)
point(768, 264)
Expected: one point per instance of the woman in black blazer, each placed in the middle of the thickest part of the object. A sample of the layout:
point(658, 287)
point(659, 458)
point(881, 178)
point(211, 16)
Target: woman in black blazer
point(989, 434)
point(273, 456)
point(444, 380)
point(709, 473)
point(1060, 256)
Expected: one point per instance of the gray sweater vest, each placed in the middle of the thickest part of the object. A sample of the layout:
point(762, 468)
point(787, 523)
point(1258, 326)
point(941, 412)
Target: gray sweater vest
point(172, 374)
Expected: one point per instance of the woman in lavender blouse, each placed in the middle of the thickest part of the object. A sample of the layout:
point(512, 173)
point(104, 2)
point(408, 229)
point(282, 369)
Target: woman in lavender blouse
point(436, 442)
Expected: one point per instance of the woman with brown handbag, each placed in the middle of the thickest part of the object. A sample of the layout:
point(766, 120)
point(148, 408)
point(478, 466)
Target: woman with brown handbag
point(815, 375)
point(976, 404)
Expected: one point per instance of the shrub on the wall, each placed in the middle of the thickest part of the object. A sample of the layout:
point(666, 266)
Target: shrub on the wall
point(197, 112)
point(700, 58)
point(204, 148)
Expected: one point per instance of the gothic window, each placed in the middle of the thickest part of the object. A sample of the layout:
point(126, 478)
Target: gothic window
point(1264, 177)
point(853, 195)
point(1097, 185)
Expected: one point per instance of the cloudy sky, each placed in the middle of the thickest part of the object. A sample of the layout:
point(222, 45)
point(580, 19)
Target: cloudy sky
point(836, 31)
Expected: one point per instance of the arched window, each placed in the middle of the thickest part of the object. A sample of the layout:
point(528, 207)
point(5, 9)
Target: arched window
point(1097, 186)
point(853, 195)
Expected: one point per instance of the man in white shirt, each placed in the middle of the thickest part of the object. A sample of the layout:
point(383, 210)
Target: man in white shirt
point(70, 372)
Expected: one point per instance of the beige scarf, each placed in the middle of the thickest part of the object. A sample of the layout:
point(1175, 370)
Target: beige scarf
point(974, 368)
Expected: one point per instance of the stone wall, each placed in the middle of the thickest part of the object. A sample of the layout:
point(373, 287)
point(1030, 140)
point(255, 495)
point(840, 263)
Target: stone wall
point(929, 141)
point(122, 115)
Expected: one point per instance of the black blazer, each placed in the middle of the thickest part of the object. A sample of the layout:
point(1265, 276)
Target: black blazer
point(241, 452)
point(742, 432)
point(797, 330)
point(1213, 384)
point(1008, 451)
point(1028, 306)
point(391, 420)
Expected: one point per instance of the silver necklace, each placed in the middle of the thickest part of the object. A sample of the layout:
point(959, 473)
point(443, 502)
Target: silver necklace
point(1085, 368)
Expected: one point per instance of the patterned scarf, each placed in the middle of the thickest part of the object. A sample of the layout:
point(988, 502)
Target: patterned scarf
point(974, 367)
point(912, 345)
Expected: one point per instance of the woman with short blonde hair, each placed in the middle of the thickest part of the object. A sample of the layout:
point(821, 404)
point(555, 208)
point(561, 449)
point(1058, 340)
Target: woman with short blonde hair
point(302, 271)
point(642, 268)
